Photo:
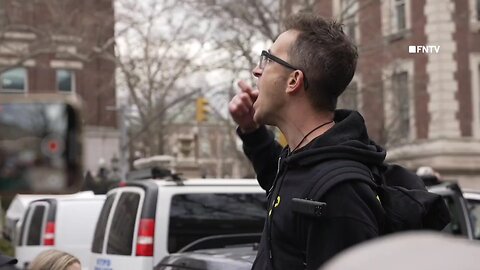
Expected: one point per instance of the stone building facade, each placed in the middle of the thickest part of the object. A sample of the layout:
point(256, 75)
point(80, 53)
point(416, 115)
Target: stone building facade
point(424, 106)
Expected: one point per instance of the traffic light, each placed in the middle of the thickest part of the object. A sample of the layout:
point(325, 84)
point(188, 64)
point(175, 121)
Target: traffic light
point(202, 110)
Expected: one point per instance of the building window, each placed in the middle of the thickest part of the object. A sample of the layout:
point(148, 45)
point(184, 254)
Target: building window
point(2, 13)
point(14, 80)
point(400, 107)
point(400, 15)
point(349, 98)
point(478, 9)
point(65, 80)
point(396, 18)
point(349, 17)
point(398, 96)
point(474, 10)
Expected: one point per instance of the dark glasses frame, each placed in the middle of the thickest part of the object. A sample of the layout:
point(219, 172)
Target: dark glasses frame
point(267, 55)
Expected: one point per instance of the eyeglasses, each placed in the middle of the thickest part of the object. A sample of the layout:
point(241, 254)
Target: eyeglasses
point(265, 57)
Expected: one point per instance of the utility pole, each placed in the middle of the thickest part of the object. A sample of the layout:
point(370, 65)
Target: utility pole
point(219, 154)
point(122, 128)
point(123, 141)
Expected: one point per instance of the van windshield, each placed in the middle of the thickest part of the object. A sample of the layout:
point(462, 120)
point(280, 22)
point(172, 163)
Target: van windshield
point(194, 216)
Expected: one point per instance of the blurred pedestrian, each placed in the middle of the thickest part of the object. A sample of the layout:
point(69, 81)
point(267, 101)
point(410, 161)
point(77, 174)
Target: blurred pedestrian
point(55, 260)
point(299, 80)
point(89, 183)
point(429, 176)
point(103, 171)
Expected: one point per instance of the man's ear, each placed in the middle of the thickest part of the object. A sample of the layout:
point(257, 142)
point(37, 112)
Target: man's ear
point(295, 81)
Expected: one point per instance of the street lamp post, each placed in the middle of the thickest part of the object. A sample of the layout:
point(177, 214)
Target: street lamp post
point(121, 112)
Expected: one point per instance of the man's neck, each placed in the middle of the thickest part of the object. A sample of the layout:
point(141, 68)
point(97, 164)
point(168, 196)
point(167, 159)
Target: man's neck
point(299, 132)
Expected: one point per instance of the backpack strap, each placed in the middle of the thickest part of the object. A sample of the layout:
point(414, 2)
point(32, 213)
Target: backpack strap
point(335, 172)
point(340, 171)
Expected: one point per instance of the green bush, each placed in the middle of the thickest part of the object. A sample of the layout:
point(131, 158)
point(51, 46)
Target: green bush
point(6, 248)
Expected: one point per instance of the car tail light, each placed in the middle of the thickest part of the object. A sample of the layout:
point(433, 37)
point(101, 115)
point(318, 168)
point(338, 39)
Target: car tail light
point(145, 237)
point(49, 235)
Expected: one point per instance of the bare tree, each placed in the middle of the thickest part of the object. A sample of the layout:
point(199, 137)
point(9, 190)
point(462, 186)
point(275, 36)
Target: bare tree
point(156, 58)
point(237, 28)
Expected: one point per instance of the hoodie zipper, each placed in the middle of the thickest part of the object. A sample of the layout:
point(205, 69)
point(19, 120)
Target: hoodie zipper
point(270, 216)
point(276, 175)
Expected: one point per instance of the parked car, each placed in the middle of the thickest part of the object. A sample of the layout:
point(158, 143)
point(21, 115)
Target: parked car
point(65, 224)
point(461, 223)
point(231, 258)
point(146, 220)
point(19, 205)
point(473, 199)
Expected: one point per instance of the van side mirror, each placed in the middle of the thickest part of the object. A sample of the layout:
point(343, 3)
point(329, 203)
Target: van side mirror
point(40, 144)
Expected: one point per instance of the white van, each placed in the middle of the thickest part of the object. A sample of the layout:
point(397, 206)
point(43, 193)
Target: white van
point(146, 220)
point(65, 224)
point(19, 205)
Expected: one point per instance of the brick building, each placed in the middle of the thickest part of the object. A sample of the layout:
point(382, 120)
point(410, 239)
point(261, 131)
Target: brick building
point(60, 47)
point(425, 106)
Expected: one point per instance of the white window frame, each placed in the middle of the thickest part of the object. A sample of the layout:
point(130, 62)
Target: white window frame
point(74, 81)
point(399, 67)
point(389, 18)
point(66, 64)
point(474, 16)
point(475, 81)
point(25, 89)
point(338, 11)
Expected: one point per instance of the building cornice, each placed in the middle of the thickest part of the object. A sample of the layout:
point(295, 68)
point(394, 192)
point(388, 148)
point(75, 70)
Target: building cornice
point(441, 154)
point(18, 35)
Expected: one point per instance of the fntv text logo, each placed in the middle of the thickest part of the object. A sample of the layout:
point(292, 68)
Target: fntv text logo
point(424, 49)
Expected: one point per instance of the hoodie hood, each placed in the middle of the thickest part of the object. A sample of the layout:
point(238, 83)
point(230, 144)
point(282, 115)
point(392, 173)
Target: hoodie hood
point(347, 139)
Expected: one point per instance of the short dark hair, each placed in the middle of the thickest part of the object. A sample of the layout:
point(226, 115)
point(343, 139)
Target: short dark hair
point(327, 56)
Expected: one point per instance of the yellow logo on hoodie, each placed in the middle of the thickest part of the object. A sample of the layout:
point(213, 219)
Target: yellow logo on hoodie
point(277, 203)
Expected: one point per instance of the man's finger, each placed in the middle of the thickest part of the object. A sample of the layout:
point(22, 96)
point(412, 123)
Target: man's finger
point(240, 105)
point(245, 87)
point(246, 99)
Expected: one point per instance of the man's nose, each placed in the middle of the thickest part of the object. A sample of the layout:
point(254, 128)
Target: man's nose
point(257, 71)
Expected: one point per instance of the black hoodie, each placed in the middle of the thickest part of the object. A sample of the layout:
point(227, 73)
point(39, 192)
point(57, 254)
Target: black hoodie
point(353, 213)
